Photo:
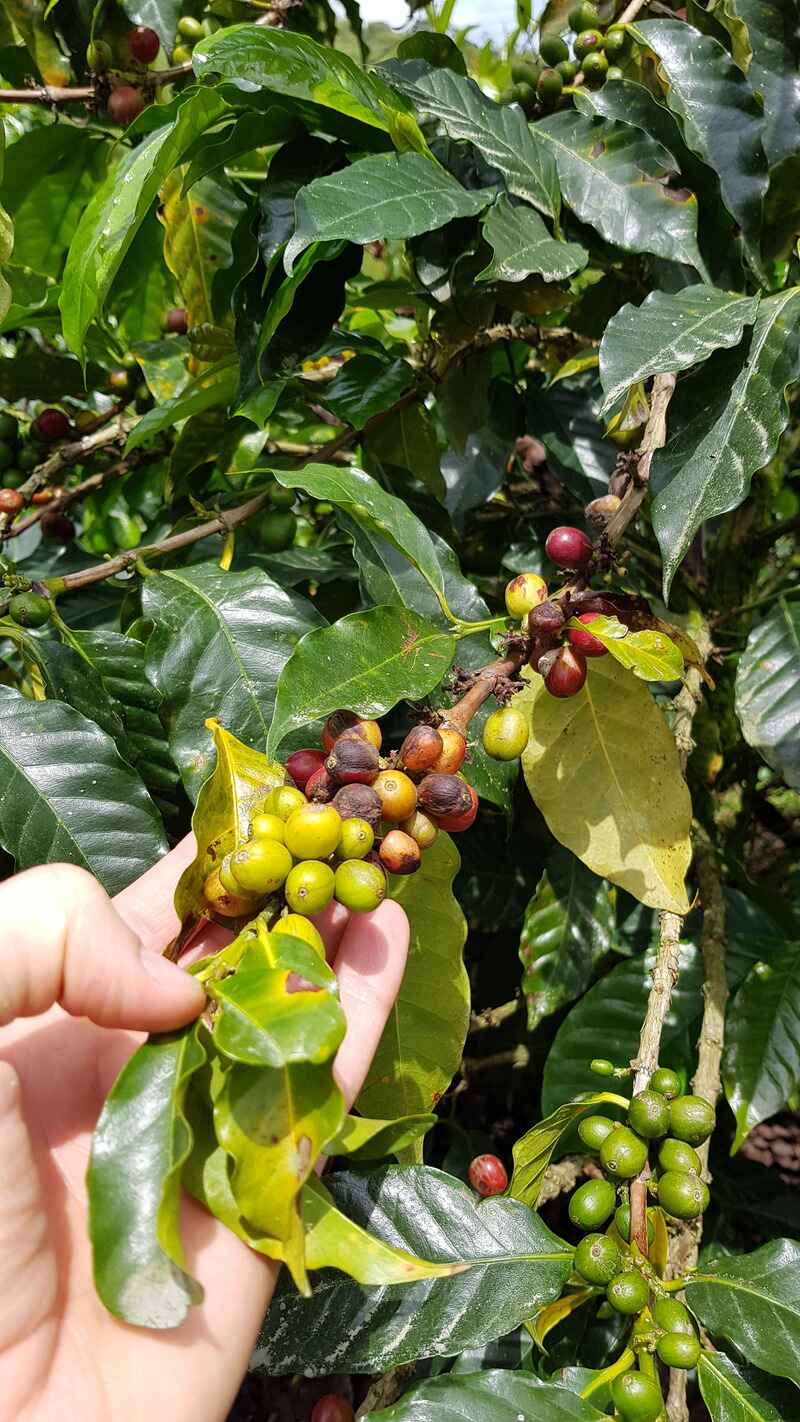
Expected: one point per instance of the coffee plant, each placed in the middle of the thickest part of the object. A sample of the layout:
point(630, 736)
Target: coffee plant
point(399, 453)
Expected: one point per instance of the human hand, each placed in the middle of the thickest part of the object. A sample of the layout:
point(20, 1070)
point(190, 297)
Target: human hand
point(80, 979)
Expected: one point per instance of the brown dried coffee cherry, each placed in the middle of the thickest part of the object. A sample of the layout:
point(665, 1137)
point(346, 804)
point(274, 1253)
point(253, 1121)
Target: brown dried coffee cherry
point(399, 853)
point(454, 824)
point(358, 802)
point(342, 721)
point(320, 786)
point(444, 795)
point(353, 761)
point(421, 748)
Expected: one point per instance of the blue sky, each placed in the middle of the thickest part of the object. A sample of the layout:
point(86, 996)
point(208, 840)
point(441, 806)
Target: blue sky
point(494, 18)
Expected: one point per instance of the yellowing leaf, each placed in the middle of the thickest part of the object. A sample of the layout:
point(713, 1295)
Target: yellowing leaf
point(335, 1242)
point(546, 1319)
point(603, 768)
point(533, 1151)
point(649, 654)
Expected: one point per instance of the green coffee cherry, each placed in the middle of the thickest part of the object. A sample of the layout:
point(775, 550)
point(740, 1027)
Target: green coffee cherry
point(276, 530)
point(614, 73)
point(30, 609)
point(623, 1154)
point(617, 42)
point(549, 85)
point(598, 1259)
point(672, 1316)
point(523, 593)
point(264, 826)
point(28, 457)
point(622, 1219)
point(99, 56)
point(260, 866)
point(190, 28)
point(601, 1067)
point(628, 1292)
point(682, 1194)
point(553, 50)
point(637, 1398)
point(526, 70)
point(181, 54)
point(691, 1119)
point(6, 455)
point(588, 42)
point(591, 1204)
point(283, 801)
point(665, 1082)
point(595, 69)
point(9, 429)
point(13, 479)
point(678, 1350)
point(313, 831)
point(594, 1129)
point(309, 887)
point(357, 839)
point(359, 885)
point(505, 734)
point(583, 17)
point(677, 1155)
point(281, 498)
point(567, 69)
point(648, 1115)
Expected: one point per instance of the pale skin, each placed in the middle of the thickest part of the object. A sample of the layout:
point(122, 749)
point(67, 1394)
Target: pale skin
point(81, 978)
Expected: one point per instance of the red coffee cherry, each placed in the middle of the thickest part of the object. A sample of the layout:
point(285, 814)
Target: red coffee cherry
point(332, 1408)
point(399, 853)
point(421, 749)
point(175, 321)
point(124, 104)
point(320, 786)
point(11, 501)
point(144, 44)
point(488, 1175)
point(454, 824)
point(353, 761)
point(342, 721)
point(358, 802)
point(57, 527)
point(51, 425)
point(302, 764)
point(567, 674)
point(584, 641)
point(444, 795)
point(568, 548)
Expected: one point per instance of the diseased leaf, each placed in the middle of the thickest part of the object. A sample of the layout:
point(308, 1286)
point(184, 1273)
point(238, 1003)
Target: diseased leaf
point(768, 690)
point(635, 808)
point(522, 244)
point(762, 1041)
point(567, 929)
point(362, 1138)
point(197, 244)
point(754, 1301)
point(725, 422)
point(138, 1149)
point(669, 331)
point(512, 1265)
point(495, 1396)
point(534, 1151)
point(736, 1393)
point(335, 1242)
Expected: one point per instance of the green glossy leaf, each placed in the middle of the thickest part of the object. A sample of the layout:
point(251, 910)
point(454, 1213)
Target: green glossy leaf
point(139, 1146)
point(241, 780)
point(493, 1396)
point(295, 66)
point(383, 196)
point(735, 1393)
point(367, 662)
point(534, 1151)
point(50, 174)
point(607, 1021)
point(635, 808)
point(650, 655)
point(363, 499)
point(565, 420)
point(774, 71)
point(408, 438)
point(363, 1139)
point(512, 1264)
point(219, 645)
point(280, 1006)
point(110, 221)
point(365, 387)
point(198, 229)
point(247, 132)
point(567, 929)
point(336, 1242)
point(420, 1050)
point(612, 176)
point(754, 1301)
point(522, 244)
point(669, 331)
point(142, 289)
point(66, 676)
point(721, 117)
point(726, 423)
point(499, 132)
point(762, 1041)
point(211, 388)
point(68, 796)
point(632, 103)
point(768, 690)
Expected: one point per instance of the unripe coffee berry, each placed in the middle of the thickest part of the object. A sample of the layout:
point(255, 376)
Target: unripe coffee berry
point(637, 1398)
point(357, 839)
point(261, 866)
point(353, 761)
point(454, 750)
point(678, 1350)
point(444, 795)
point(583, 16)
point(455, 824)
point(50, 425)
point(11, 501)
point(585, 642)
point(592, 1204)
point(98, 56)
point(309, 887)
point(628, 1292)
point(302, 764)
point(622, 1220)
point(332, 1408)
point(665, 1082)
point(682, 1194)
point(358, 802)
point(421, 828)
point(144, 44)
point(673, 1316)
point(523, 593)
point(124, 104)
point(342, 721)
point(176, 322)
point(283, 801)
point(421, 749)
point(487, 1175)
point(678, 1155)
point(218, 898)
point(691, 1119)
point(313, 831)
point(595, 69)
point(601, 1066)
point(505, 734)
point(623, 1154)
point(568, 548)
point(359, 885)
point(397, 794)
point(30, 609)
point(648, 1115)
point(567, 674)
point(296, 925)
point(190, 28)
point(594, 1129)
point(399, 853)
point(587, 42)
point(598, 1259)
point(266, 826)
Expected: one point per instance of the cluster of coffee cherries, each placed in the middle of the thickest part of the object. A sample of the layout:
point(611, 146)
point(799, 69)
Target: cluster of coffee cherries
point(598, 53)
point(137, 49)
point(558, 653)
point(350, 818)
point(20, 452)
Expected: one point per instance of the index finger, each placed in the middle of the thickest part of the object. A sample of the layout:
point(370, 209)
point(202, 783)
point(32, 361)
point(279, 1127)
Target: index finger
point(147, 904)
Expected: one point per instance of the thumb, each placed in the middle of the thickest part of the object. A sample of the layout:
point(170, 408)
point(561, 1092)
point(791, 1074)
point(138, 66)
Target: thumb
point(62, 940)
point(28, 1278)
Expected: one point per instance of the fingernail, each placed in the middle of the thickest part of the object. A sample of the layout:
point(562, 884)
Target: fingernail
point(165, 973)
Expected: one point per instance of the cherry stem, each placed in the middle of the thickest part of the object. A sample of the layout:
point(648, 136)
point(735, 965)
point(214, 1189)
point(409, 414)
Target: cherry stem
point(486, 680)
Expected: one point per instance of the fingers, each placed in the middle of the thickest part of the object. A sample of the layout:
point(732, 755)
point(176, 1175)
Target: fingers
point(147, 906)
point(332, 922)
point(370, 963)
point(62, 940)
point(27, 1264)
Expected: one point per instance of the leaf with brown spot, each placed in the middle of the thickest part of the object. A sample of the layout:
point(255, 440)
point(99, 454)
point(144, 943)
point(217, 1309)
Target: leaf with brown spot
point(197, 239)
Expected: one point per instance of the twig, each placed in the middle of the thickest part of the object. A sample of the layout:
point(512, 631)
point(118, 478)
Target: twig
point(107, 429)
point(386, 1389)
point(654, 437)
point(460, 715)
point(494, 1016)
point(54, 94)
point(86, 486)
point(630, 12)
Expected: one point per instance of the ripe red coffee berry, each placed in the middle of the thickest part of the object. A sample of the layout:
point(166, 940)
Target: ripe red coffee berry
point(332, 1408)
point(57, 527)
point(358, 802)
point(302, 764)
point(487, 1175)
point(421, 749)
point(584, 641)
point(454, 824)
point(51, 425)
point(444, 795)
point(124, 104)
point(399, 853)
point(11, 501)
point(567, 674)
point(176, 322)
point(353, 761)
point(144, 44)
point(320, 786)
point(568, 548)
